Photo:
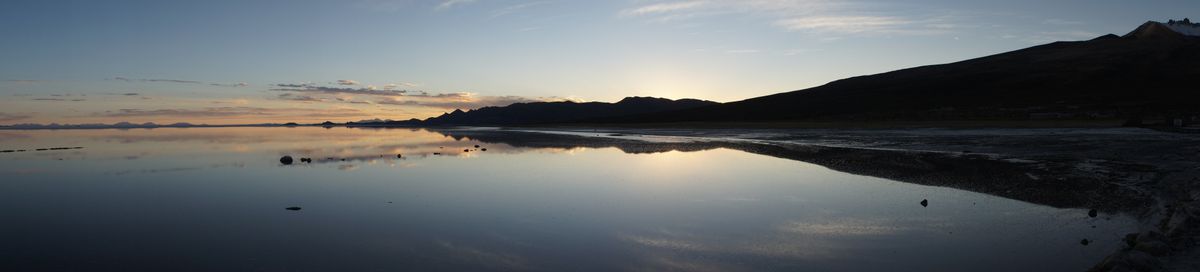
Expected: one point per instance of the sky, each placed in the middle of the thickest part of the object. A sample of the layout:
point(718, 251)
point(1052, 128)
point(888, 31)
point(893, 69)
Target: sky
point(238, 62)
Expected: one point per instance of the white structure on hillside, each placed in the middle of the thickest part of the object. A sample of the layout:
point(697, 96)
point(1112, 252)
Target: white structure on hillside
point(1185, 27)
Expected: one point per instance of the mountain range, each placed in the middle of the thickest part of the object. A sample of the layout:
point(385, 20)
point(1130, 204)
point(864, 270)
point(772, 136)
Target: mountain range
point(1150, 73)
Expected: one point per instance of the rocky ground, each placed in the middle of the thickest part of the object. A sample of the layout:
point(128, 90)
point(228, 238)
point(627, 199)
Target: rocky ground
point(1151, 174)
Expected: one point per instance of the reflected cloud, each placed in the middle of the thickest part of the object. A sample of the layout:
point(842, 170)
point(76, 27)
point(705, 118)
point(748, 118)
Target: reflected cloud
point(843, 227)
point(484, 258)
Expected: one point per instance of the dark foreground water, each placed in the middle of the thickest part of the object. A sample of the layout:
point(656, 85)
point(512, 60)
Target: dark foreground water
point(214, 199)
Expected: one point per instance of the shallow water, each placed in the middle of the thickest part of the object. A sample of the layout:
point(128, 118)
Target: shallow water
point(214, 199)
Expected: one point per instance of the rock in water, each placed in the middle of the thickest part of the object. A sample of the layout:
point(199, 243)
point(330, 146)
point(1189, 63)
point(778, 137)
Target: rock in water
point(286, 160)
point(1092, 213)
point(924, 203)
point(292, 208)
point(476, 146)
point(399, 156)
point(483, 149)
point(1084, 242)
point(306, 160)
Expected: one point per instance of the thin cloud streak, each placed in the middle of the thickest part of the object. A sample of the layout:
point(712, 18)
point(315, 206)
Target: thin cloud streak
point(179, 81)
point(447, 4)
point(231, 112)
point(796, 15)
point(9, 117)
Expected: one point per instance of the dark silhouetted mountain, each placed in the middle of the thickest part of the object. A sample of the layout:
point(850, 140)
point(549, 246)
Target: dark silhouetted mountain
point(1150, 72)
point(560, 112)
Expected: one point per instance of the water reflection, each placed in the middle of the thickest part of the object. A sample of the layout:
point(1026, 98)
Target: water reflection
point(532, 201)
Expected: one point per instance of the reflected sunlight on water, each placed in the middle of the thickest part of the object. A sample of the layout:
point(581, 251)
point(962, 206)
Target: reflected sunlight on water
point(214, 199)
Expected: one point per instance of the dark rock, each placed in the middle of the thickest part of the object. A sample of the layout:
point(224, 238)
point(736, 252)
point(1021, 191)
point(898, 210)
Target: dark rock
point(476, 146)
point(1084, 242)
point(466, 150)
point(286, 160)
point(306, 160)
point(483, 149)
point(1141, 261)
point(1149, 236)
point(924, 203)
point(293, 208)
point(1156, 248)
point(1130, 239)
point(1093, 213)
point(436, 153)
point(6, 151)
point(399, 156)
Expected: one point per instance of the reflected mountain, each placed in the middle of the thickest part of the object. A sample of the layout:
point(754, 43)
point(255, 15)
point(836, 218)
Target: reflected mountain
point(970, 172)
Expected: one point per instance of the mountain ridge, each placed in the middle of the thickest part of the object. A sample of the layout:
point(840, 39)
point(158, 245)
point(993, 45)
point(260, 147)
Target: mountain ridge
point(1149, 72)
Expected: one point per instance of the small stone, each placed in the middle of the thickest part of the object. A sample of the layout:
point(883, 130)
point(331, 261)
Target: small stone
point(476, 146)
point(1093, 213)
point(399, 156)
point(483, 149)
point(306, 160)
point(924, 203)
point(293, 208)
point(1084, 242)
point(466, 150)
point(286, 160)
point(436, 153)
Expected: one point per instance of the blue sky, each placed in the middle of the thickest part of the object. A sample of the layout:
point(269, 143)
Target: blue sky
point(250, 61)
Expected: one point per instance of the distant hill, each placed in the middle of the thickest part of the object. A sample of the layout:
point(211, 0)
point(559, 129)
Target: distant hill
point(1150, 73)
point(558, 112)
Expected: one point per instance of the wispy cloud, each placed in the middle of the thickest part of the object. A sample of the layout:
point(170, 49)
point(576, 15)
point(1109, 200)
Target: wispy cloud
point(815, 16)
point(60, 99)
point(447, 4)
point(463, 101)
point(239, 84)
point(661, 8)
point(23, 80)
point(302, 98)
point(231, 112)
point(309, 88)
point(180, 81)
point(156, 80)
point(9, 117)
point(515, 8)
point(347, 82)
point(842, 24)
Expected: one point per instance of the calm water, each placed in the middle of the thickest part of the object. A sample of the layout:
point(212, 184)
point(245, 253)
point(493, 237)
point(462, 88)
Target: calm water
point(214, 199)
